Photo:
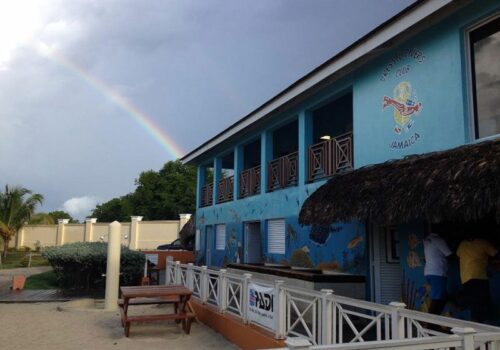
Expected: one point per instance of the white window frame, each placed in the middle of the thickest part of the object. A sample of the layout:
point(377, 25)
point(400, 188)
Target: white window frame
point(220, 237)
point(469, 80)
point(281, 239)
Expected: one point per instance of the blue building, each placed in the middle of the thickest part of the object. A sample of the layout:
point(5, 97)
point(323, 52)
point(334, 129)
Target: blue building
point(426, 80)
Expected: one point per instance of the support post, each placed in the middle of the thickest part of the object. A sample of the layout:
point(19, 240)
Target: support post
point(200, 182)
point(326, 316)
point(113, 266)
point(190, 276)
point(305, 140)
point(238, 168)
point(244, 299)
point(134, 231)
point(20, 238)
point(178, 272)
point(266, 154)
point(397, 322)
point(60, 231)
point(89, 228)
point(222, 284)
point(280, 311)
point(204, 285)
point(467, 335)
point(217, 178)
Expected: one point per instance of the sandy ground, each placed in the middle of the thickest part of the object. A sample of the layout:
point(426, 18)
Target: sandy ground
point(74, 325)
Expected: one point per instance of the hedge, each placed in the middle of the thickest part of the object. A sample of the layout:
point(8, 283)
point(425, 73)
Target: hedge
point(82, 265)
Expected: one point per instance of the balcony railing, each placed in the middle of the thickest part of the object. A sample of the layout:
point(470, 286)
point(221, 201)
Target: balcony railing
point(329, 157)
point(225, 189)
point(282, 172)
point(207, 193)
point(250, 182)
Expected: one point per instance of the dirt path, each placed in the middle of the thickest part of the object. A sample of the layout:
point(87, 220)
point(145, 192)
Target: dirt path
point(55, 326)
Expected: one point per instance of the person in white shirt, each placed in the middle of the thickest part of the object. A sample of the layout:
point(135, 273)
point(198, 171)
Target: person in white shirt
point(436, 268)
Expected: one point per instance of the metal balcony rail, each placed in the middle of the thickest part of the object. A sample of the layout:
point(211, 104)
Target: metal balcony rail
point(329, 157)
point(282, 172)
point(250, 182)
point(329, 321)
point(225, 189)
point(207, 193)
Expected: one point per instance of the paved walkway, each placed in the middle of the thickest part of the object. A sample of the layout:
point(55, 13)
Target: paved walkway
point(6, 275)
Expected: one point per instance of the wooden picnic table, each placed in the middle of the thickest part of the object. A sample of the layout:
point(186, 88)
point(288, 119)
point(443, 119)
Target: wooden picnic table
point(142, 295)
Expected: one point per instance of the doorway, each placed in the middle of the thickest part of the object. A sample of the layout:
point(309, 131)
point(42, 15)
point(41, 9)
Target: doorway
point(252, 241)
point(209, 242)
point(385, 269)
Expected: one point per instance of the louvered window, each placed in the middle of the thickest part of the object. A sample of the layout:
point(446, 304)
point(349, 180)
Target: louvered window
point(276, 236)
point(220, 238)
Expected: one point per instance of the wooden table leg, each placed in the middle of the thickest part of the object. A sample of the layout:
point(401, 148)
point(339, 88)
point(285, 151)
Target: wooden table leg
point(125, 321)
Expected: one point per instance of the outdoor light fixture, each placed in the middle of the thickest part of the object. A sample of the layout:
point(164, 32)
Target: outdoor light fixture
point(325, 137)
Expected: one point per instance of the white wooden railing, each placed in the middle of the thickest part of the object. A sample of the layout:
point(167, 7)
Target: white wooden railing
point(327, 321)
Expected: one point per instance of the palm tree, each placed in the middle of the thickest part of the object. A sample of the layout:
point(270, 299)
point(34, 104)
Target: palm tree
point(17, 205)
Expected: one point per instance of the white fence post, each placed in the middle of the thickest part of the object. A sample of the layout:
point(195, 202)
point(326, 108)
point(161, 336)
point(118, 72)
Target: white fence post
point(397, 322)
point(204, 285)
point(178, 279)
point(244, 299)
point(467, 335)
point(280, 310)
point(326, 316)
point(190, 276)
point(222, 284)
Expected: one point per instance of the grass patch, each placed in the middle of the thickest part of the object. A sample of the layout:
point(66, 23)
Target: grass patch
point(20, 259)
point(45, 280)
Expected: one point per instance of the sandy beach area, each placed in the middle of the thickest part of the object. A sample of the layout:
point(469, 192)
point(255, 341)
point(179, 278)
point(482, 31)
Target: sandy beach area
point(73, 325)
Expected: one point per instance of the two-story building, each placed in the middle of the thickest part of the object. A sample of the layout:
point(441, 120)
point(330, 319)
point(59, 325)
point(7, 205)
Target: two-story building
point(427, 80)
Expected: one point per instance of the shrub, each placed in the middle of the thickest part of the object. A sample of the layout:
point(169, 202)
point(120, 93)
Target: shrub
point(82, 265)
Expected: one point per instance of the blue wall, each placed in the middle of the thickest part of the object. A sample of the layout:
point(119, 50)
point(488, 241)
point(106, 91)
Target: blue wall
point(430, 69)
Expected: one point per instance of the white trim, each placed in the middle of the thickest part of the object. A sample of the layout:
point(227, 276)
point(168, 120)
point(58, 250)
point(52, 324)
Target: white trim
point(385, 34)
point(468, 78)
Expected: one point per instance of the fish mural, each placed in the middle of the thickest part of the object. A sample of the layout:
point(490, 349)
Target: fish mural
point(300, 258)
point(319, 234)
point(413, 260)
point(413, 241)
point(353, 243)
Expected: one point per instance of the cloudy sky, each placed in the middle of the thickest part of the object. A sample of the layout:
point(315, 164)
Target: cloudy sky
point(93, 92)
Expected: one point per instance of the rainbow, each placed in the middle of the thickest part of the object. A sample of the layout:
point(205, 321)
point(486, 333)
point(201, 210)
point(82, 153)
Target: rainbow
point(142, 119)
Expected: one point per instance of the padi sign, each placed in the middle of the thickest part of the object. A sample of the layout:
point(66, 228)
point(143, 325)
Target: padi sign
point(261, 305)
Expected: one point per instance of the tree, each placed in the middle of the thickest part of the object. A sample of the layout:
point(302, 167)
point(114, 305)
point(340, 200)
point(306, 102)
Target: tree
point(159, 195)
point(60, 214)
point(17, 206)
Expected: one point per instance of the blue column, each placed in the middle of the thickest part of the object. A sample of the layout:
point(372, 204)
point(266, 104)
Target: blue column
point(200, 182)
point(305, 140)
point(238, 167)
point(217, 176)
point(266, 154)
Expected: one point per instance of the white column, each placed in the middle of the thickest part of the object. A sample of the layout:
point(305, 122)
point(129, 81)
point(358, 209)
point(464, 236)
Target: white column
point(89, 228)
point(20, 238)
point(134, 231)
point(398, 324)
point(183, 219)
point(113, 266)
point(60, 231)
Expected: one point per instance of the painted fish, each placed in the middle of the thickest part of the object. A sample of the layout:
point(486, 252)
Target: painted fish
point(355, 242)
point(413, 259)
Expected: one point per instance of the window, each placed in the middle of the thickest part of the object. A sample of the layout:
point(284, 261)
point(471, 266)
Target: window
point(485, 69)
point(220, 237)
point(392, 245)
point(276, 236)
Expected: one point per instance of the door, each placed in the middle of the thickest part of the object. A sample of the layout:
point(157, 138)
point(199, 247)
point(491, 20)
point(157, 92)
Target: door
point(209, 242)
point(253, 245)
point(385, 265)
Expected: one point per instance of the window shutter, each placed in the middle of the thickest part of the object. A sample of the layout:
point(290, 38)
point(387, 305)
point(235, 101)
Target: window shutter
point(276, 236)
point(220, 238)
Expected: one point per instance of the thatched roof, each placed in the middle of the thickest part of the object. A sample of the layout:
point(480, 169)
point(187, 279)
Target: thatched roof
point(461, 184)
point(187, 232)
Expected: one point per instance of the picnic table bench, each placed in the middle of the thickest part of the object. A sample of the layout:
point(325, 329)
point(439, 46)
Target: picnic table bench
point(144, 295)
